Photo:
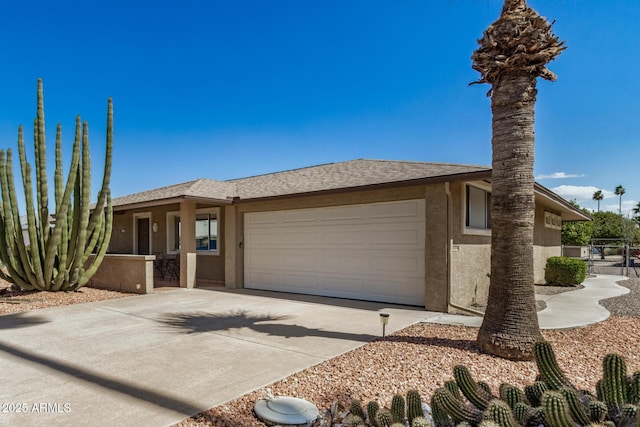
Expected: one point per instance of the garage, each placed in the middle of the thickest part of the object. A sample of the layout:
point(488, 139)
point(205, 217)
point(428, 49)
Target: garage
point(372, 252)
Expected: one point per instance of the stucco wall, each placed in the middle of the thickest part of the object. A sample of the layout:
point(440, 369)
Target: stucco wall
point(125, 273)
point(541, 254)
point(469, 275)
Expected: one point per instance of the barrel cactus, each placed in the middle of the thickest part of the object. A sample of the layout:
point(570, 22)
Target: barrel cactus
point(57, 258)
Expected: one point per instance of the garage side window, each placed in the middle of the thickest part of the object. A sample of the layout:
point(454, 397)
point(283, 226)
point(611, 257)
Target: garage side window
point(478, 215)
point(206, 228)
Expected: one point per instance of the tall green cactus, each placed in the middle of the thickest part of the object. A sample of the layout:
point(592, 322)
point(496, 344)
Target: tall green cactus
point(57, 258)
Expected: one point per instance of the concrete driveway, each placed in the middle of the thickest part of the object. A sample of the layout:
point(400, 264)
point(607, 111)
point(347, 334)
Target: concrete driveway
point(156, 359)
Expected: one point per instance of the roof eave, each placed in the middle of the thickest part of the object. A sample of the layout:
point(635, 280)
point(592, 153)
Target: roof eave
point(171, 201)
point(570, 212)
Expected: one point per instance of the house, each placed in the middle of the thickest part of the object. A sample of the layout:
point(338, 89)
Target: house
point(393, 231)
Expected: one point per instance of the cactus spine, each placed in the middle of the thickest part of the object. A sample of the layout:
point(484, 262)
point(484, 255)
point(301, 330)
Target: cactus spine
point(57, 258)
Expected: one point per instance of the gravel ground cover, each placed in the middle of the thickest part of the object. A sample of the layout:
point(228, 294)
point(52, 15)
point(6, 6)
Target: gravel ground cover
point(422, 357)
point(12, 302)
point(419, 357)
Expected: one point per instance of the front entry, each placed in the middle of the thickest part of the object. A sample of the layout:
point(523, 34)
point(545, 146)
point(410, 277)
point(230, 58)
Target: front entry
point(142, 236)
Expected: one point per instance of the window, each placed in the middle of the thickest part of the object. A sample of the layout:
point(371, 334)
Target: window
point(206, 231)
point(478, 212)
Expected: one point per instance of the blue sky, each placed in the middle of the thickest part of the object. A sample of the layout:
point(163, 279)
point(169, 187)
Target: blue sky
point(226, 89)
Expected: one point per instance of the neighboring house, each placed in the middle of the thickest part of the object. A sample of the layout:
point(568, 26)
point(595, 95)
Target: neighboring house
point(393, 231)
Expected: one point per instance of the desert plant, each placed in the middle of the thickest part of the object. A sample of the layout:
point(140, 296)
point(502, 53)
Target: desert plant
point(398, 408)
point(550, 401)
point(372, 411)
point(57, 258)
point(414, 405)
point(564, 271)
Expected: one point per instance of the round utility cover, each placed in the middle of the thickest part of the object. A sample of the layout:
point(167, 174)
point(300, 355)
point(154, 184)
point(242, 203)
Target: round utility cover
point(286, 410)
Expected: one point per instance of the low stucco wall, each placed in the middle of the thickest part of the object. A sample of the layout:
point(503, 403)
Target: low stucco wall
point(125, 273)
point(540, 255)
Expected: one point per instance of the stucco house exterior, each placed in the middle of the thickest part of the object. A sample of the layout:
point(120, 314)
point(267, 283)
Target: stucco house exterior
point(393, 231)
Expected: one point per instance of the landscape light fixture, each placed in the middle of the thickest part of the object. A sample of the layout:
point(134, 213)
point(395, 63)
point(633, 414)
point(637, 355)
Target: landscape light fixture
point(384, 319)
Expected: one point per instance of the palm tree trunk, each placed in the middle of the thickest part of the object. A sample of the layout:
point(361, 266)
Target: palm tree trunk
point(510, 325)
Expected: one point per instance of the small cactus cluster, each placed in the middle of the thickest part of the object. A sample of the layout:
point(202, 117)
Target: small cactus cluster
point(550, 401)
point(403, 412)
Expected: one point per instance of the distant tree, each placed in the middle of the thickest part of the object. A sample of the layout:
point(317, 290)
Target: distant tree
point(636, 212)
point(577, 233)
point(620, 192)
point(606, 225)
point(598, 196)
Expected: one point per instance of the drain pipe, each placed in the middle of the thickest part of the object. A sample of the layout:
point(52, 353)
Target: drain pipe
point(447, 191)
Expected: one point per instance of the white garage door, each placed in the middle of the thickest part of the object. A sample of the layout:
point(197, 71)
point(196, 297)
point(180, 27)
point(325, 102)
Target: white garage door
point(371, 252)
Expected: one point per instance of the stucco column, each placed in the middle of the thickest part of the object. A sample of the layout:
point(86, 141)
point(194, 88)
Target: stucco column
point(187, 244)
point(231, 247)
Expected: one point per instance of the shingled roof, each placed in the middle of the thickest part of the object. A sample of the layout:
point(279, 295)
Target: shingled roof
point(331, 176)
point(343, 175)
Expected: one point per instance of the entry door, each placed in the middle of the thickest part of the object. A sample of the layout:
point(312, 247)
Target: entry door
point(142, 226)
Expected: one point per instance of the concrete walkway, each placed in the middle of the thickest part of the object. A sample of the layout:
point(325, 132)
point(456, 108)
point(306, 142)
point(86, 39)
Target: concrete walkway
point(565, 310)
point(154, 360)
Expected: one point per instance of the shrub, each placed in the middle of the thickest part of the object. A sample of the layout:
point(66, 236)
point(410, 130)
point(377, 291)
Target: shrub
point(565, 271)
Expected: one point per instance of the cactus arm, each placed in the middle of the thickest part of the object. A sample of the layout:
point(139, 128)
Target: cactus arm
point(414, 405)
point(499, 412)
point(470, 388)
point(34, 236)
point(57, 178)
point(103, 244)
point(455, 408)
point(372, 411)
point(356, 408)
point(548, 366)
point(576, 409)
point(42, 189)
point(85, 188)
point(62, 210)
point(555, 410)
point(106, 177)
point(12, 276)
point(397, 408)
point(614, 380)
point(17, 257)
